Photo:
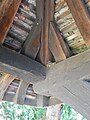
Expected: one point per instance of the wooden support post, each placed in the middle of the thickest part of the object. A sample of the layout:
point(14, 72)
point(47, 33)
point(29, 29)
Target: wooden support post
point(81, 17)
point(7, 20)
point(44, 17)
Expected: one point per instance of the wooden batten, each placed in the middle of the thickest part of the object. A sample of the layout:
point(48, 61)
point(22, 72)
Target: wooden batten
point(81, 17)
point(7, 20)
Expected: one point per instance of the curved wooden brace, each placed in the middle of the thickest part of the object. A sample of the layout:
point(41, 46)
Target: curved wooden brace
point(21, 92)
point(4, 83)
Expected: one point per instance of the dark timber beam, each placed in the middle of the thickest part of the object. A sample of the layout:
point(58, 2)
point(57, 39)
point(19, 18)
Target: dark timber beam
point(81, 17)
point(32, 42)
point(4, 83)
point(69, 81)
point(7, 20)
point(21, 66)
point(21, 93)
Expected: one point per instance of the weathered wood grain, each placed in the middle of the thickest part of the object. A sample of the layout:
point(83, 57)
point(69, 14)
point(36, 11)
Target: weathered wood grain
point(7, 20)
point(81, 17)
point(21, 66)
point(20, 95)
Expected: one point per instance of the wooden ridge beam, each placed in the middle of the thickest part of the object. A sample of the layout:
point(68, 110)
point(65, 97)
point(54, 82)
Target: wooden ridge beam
point(81, 17)
point(22, 67)
point(7, 20)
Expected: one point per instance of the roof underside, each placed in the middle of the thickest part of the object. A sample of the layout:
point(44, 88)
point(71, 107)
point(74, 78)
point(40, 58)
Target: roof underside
point(44, 32)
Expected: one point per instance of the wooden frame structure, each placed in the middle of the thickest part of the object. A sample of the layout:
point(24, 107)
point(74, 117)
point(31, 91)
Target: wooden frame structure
point(63, 80)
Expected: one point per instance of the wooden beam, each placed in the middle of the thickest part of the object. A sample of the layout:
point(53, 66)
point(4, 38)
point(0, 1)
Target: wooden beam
point(69, 97)
point(7, 20)
point(3, 7)
point(4, 83)
point(21, 66)
point(44, 51)
point(66, 81)
point(20, 95)
point(57, 45)
point(54, 45)
point(32, 42)
point(52, 9)
point(81, 17)
point(69, 70)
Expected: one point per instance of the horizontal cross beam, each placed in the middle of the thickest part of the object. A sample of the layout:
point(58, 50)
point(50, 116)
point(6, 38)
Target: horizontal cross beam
point(69, 81)
point(21, 66)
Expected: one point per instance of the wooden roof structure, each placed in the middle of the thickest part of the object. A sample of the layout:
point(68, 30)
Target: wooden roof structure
point(45, 44)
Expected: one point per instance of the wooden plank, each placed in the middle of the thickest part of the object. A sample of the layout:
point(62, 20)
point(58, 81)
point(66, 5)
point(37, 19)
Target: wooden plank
point(32, 42)
point(4, 83)
point(81, 17)
point(7, 20)
point(21, 92)
point(59, 48)
point(22, 67)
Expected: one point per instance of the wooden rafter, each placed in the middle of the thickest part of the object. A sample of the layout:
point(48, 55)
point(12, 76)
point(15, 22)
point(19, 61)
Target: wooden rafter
point(7, 20)
point(81, 17)
point(39, 43)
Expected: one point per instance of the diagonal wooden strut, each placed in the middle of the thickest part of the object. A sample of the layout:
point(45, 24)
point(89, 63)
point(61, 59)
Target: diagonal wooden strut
point(47, 37)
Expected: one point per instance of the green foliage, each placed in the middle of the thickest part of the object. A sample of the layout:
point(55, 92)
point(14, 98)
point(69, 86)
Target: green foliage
point(10, 111)
point(69, 113)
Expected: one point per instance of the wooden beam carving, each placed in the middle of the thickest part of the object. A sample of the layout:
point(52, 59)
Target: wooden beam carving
point(81, 17)
point(7, 20)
